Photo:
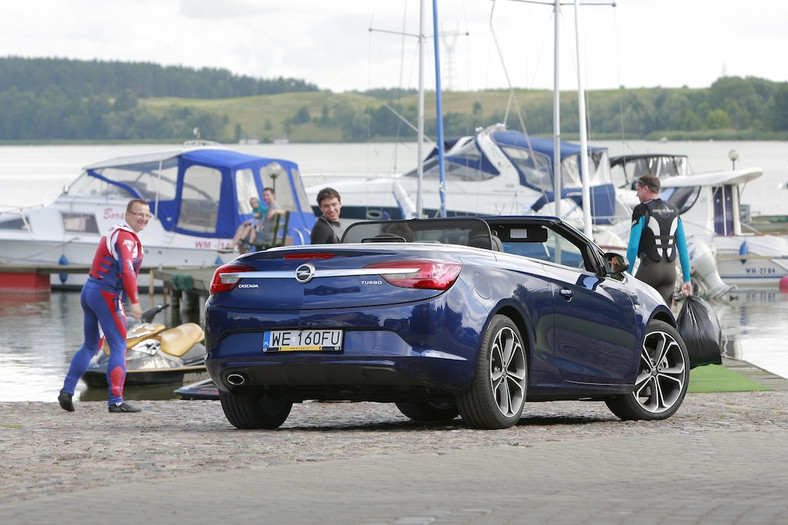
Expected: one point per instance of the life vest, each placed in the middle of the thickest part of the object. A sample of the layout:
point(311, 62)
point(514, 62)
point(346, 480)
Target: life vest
point(658, 240)
point(106, 268)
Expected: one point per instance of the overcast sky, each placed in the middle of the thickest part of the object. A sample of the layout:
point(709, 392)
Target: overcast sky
point(359, 44)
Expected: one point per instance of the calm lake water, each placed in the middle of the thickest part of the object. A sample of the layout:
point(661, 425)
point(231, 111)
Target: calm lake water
point(38, 336)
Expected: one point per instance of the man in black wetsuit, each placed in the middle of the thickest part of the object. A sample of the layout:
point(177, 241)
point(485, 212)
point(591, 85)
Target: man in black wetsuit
point(656, 237)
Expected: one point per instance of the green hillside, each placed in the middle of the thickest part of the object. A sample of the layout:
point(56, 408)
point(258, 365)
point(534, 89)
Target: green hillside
point(648, 113)
point(61, 100)
point(269, 117)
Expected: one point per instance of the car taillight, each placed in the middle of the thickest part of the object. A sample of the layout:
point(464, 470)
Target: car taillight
point(226, 277)
point(433, 275)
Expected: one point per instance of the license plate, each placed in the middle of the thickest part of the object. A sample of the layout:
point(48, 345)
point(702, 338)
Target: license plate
point(303, 341)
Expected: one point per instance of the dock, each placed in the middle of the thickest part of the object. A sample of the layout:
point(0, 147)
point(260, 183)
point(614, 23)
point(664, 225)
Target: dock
point(187, 285)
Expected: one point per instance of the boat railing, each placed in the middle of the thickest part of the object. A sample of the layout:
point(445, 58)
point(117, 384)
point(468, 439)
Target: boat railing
point(202, 142)
point(300, 234)
point(13, 208)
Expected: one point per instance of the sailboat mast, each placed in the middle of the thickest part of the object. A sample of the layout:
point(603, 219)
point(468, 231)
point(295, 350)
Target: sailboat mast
point(439, 108)
point(556, 112)
point(581, 108)
point(420, 123)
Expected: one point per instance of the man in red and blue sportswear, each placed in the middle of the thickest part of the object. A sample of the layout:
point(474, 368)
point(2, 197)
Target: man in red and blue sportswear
point(656, 237)
point(113, 277)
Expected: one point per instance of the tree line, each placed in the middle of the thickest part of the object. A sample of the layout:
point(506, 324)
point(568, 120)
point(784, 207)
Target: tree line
point(732, 107)
point(61, 99)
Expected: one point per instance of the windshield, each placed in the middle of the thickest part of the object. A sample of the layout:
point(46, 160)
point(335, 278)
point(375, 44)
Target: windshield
point(625, 170)
point(598, 167)
point(535, 167)
point(464, 163)
point(148, 179)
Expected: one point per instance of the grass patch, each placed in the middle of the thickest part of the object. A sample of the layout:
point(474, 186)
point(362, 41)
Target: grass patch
point(717, 378)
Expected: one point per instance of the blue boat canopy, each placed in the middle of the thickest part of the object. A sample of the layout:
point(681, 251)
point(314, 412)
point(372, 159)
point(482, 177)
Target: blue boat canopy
point(202, 192)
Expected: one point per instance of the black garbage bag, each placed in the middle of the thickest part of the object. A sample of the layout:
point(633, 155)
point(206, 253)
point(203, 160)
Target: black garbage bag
point(699, 326)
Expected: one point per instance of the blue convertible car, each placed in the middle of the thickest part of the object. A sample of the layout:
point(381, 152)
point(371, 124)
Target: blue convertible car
point(468, 316)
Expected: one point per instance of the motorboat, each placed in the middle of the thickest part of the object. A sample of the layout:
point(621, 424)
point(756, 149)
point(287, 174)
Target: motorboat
point(198, 195)
point(710, 206)
point(154, 354)
point(494, 172)
point(711, 210)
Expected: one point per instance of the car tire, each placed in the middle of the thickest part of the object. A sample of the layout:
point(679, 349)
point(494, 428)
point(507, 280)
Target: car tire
point(497, 396)
point(662, 379)
point(428, 411)
point(263, 411)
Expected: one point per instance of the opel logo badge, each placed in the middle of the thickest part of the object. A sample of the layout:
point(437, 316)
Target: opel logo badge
point(304, 273)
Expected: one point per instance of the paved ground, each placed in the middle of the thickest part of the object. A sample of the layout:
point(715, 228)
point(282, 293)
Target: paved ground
point(720, 459)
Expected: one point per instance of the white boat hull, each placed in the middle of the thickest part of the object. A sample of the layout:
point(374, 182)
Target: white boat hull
point(197, 196)
point(79, 252)
point(750, 261)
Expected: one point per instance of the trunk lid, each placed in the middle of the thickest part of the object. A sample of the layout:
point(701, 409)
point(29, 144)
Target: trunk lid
point(339, 276)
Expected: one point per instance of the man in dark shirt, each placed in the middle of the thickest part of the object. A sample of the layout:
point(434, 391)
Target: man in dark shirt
point(327, 229)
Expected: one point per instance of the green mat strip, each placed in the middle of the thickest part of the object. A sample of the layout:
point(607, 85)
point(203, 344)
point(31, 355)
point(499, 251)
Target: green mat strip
point(717, 378)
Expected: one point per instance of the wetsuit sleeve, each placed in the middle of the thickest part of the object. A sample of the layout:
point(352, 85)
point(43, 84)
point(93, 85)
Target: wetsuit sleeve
point(634, 241)
point(126, 246)
point(681, 244)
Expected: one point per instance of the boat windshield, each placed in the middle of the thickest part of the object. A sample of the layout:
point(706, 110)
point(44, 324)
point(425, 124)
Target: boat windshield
point(464, 164)
point(598, 167)
point(534, 166)
point(148, 179)
point(627, 169)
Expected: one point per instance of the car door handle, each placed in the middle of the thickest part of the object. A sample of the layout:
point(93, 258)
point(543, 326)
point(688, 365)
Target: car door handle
point(566, 293)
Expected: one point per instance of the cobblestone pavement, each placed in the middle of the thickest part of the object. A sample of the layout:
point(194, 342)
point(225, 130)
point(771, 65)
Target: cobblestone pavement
point(718, 460)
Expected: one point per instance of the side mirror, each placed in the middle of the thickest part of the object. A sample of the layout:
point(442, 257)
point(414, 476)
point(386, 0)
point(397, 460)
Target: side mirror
point(615, 263)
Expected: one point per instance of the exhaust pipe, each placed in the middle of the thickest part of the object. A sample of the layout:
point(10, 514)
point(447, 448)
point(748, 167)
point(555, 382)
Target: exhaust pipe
point(236, 379)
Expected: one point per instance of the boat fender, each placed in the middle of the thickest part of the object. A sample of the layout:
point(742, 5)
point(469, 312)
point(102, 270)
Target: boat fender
point(744, 250)
point(62, 262)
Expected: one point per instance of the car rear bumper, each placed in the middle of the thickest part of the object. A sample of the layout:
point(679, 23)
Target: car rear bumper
point(352, 377)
